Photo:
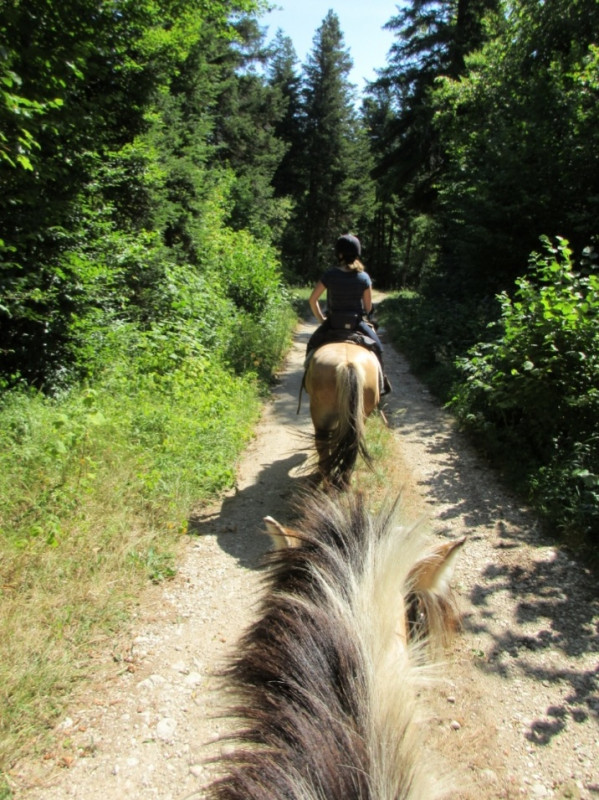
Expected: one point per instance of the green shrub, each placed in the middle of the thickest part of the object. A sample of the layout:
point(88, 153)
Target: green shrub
point(96, 487)
point(432, 332)
point(534, 389)
point(258, 345)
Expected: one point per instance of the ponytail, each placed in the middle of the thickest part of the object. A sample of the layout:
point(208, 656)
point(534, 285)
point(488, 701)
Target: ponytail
point(355, 265)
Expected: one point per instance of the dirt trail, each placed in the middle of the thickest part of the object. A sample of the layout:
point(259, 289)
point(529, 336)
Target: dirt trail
point(516, 715)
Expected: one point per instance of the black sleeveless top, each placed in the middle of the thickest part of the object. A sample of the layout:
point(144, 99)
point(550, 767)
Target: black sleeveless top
point(345, 289)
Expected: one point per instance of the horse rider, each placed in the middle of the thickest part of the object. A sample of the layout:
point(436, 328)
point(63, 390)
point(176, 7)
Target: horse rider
point(349, 301)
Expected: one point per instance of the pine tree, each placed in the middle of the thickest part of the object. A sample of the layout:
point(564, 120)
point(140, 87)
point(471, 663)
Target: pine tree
point(249, 110)
point(432, 39)
point(284, 79)
point(377, 114)
point(333, 161)
point(433, 36)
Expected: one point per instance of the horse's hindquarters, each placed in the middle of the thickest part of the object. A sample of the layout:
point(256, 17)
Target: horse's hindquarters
point(343, 383)
point(321, 377)
point(321, 385)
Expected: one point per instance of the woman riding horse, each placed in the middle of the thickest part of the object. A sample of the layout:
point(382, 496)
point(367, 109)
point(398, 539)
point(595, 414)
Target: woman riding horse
point(349, 298)
point(344, 375)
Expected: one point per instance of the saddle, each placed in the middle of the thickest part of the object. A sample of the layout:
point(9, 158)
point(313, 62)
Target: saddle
point(344, 335)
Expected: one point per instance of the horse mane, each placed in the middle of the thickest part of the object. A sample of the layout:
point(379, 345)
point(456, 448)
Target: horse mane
point(322, 686)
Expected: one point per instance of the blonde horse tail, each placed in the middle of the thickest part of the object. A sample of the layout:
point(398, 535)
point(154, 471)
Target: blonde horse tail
point(347, 441)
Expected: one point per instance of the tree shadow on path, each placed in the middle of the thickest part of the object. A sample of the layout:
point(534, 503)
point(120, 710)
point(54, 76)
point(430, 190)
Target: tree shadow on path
point(239, 522)
point(534, 607)
point(274, 473)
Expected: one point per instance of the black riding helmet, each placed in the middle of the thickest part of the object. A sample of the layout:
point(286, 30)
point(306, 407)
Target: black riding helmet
point(349, 247)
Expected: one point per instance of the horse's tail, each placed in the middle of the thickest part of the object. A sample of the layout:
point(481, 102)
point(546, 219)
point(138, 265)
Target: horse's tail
point(347, 439)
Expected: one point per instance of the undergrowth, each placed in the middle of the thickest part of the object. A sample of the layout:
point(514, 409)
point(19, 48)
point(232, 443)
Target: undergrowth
point(532, 389)
point(96, 487)
point(524, 386)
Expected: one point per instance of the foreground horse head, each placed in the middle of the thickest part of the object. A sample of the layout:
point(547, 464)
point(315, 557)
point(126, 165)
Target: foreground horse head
point(342, 380)
point(325, 681)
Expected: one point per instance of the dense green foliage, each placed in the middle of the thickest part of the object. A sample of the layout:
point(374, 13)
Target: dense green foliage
point(433, 38)
point(326, 170)
point(433, 333)
point(142, 311)
point(485, 124)
point(335, 162)
point(534, 388)
point(520, 132)
point(96, 488)
point(119, 173)
point(119, 185)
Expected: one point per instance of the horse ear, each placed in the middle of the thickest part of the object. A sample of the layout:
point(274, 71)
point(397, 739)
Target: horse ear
point(281, 537)
point(434, 571)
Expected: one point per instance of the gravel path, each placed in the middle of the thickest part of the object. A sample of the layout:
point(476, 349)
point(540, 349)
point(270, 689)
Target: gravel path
point(516, 714)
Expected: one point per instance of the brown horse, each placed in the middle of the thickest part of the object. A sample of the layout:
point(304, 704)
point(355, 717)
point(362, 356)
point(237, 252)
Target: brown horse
point(325, 683)
point(342, 380)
